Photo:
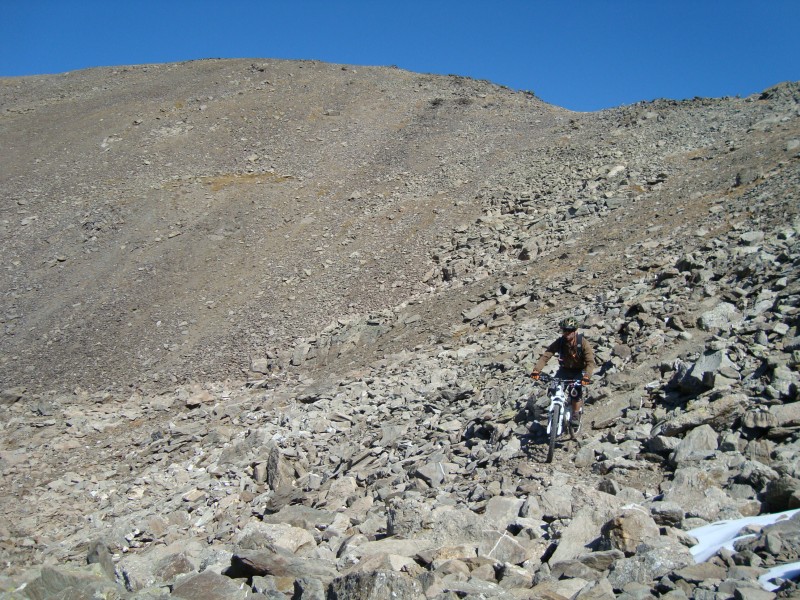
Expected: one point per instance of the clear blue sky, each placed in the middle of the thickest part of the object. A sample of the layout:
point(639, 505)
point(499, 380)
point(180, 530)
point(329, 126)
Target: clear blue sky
point(583, 55)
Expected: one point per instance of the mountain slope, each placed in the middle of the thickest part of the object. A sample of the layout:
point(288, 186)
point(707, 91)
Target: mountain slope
point(268, 327)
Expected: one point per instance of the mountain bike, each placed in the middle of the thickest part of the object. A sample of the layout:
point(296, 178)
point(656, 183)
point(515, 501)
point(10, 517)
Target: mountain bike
point(560, 411)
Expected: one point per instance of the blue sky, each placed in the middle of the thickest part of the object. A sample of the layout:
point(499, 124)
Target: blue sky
point(582, 55)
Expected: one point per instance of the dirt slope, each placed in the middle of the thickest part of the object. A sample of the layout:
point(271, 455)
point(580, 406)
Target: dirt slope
point(167, 223)
point(169, 220)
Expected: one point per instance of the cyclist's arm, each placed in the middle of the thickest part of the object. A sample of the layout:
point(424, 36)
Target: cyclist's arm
point(549, 353)
point(588, 358)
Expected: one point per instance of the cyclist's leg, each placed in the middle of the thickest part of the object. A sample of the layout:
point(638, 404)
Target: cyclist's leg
point(576, 402)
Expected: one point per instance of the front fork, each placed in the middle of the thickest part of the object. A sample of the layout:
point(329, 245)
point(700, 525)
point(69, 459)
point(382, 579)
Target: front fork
point(565, 418)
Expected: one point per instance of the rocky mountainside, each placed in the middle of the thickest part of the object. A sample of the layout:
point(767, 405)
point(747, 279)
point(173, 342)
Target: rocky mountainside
point(268, 326)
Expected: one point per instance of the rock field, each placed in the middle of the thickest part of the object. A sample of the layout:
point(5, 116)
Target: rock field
point(268, 325)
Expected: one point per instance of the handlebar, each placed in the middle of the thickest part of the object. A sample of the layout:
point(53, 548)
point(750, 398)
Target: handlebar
point(545, 378)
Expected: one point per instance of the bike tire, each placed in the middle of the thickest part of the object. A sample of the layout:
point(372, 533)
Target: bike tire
point(568, 423)
point(555, 421)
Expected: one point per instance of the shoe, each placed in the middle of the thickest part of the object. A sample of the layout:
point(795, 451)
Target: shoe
point(575, 423)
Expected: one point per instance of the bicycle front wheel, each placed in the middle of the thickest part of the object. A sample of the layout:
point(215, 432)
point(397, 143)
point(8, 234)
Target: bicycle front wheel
point(555, 422)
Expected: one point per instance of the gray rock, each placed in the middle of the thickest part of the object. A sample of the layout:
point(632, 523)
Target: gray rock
point(280, 474)
point(786, 415)
point(705, 371)
point(752, 592)
point(751, 238)
point(663, 444)
point(375, 586)
point(479, 309)
point(720, 413)
point(574, 568)
point(100, 554)
point(601, 560)
point(668, 514)
point(512, 577)
point(584, 529)
point(502, 547)
point(628, 530)
point(558, 588)
point(501, 511)
point(304, 517)
point(652, 560)
point(435, 474)
point(782, 494)
point(759, 418)
point(556, 502)
point(258, 536)
point(160, 565)
point(698, 573)
point(76, 582)
point(211, 586)
point(698, 444)
point(698, 492)
point(9, 396)
point(308, 588)
point(721, 318)
point(597, 590)
point(249, 563)
point(404, 516)
point(785, 381)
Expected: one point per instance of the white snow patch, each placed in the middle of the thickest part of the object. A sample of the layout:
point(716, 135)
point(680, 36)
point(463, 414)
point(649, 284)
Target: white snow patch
point(790, 571)
point(723, 534)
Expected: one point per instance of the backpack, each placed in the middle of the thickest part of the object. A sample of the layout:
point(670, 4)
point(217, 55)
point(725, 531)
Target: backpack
point(578, 342)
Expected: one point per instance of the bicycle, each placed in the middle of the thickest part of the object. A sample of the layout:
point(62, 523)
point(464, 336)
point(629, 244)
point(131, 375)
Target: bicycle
point(560, 411)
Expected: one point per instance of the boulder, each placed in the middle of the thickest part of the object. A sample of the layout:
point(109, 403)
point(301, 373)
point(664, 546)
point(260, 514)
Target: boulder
point(705, 372)
point(721, 318)
point(720, 413)
point(628, 530)
point(698, 444)
point(257, 535)
point(73, 582)
point(249, 563)
point(653, 560)
point(697, 491)
point(379, 585)
point(211, 586)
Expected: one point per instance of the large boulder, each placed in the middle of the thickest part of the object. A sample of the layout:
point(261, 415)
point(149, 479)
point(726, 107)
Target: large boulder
point(722, 318)
point(698, 444)
point(211, 586)
point(720, 413)
point(707, 370)
point(379, 585)
point(257, 535)
point(652, 560)
point(698, 492)
point(628, 530)
point(73, 582)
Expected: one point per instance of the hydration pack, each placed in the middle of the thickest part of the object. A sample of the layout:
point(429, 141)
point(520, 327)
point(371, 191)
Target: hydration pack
point(578, 343)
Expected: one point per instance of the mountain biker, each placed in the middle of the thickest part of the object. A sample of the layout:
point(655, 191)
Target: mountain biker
point(576, 362)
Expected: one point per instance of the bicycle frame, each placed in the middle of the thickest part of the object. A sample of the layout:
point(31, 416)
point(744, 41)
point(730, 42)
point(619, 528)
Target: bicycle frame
point(558, 399)
point(560, 410)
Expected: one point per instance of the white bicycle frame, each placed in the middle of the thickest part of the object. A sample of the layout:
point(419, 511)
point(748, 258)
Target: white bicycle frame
point(558, 397)
point(557, 392)
point(560, 405)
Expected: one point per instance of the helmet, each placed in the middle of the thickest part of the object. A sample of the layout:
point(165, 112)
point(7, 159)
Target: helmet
point(569, 324)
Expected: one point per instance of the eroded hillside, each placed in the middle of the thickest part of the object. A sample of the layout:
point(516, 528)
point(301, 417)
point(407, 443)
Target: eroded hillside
point(268, 326)
point(171, 221)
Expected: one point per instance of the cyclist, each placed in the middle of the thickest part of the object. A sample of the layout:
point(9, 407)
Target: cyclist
point(576, 361)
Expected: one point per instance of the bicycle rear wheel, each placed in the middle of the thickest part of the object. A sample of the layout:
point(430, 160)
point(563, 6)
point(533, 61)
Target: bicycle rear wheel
point(568, 422)
point(555, 422)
